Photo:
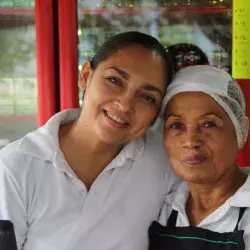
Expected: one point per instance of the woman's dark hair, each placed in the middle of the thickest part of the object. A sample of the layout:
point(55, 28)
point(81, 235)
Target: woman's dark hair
point(128, 39)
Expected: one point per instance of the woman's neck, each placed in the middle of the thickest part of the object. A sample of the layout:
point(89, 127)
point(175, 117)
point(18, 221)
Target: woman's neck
point(206, 198)
point(85, 154)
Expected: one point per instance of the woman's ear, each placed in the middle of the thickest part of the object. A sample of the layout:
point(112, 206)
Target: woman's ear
point(84, 75)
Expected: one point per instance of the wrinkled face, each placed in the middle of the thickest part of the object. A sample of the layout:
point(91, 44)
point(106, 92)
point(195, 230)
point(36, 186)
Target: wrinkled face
point(123, 94)
point(199, 137)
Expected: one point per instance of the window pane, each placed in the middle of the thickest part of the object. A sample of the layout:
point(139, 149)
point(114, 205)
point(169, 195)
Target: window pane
point(18, 104)
point(196, 31)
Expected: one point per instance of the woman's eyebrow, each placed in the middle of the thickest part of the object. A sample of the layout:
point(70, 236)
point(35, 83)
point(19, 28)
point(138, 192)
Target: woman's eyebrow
point(122, 72)
point(151, 87)
point(212, 114)
point(148, 86)
point(172, 115)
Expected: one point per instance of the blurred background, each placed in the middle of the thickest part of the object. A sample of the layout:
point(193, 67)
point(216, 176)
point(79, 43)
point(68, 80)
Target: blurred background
point(196, 31)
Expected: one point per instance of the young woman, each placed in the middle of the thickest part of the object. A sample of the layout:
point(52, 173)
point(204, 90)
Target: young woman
point(205, 127)
point(88, 178)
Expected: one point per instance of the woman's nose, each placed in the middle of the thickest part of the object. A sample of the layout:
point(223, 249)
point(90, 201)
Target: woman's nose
point(192, 139)
point(125, 103)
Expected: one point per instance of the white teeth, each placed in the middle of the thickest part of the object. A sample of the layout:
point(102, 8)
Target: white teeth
point(115, 118)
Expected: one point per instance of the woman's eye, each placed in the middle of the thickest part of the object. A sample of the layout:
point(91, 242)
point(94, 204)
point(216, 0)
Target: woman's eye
point(114, 80)
point(149, 98)
point(209, 124)
point(176, 125)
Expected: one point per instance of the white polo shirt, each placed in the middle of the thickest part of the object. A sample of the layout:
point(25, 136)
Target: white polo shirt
point(224, 219)
point(51, 208)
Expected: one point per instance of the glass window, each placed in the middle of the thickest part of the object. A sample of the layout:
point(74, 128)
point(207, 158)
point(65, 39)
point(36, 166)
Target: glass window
point(196, 31)
point(18, 93)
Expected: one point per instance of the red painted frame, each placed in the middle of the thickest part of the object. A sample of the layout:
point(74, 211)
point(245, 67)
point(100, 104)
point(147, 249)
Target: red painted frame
point(46, 59)
point(244, 154)
point(68, 53)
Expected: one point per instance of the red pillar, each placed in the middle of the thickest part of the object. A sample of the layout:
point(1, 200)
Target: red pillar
point(244, 154)
point(46, 56)
point(68, 53)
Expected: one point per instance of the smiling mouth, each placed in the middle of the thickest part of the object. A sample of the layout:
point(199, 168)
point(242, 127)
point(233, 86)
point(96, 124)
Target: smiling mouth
point(115, 118)
point(195, 160)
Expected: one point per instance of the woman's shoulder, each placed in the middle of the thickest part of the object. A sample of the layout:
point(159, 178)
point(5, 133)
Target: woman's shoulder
point(34, 149)
point(154, 152)
point(154, 141)
point(154, 149)
point(156, 159)
point(37, 147)
point(12, 159)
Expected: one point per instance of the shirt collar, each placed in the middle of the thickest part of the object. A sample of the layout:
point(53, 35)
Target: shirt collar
point(43, 143)
point(179, 198)
point(239, 199)
point(131, 150)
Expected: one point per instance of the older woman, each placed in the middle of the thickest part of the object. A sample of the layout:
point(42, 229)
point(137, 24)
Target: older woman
point(205, 126)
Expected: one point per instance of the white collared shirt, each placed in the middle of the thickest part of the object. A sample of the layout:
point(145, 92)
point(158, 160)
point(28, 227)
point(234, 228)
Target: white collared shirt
point(224, 219)
point(51, 208)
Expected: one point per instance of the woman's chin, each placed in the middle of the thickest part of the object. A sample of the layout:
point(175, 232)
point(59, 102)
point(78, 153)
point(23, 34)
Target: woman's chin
point(193, 175)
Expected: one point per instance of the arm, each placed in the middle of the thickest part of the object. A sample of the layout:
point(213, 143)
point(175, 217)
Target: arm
point(12, 205)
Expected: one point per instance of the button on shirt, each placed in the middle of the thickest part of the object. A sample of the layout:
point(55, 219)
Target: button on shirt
point(51, 208)
point(224, 219)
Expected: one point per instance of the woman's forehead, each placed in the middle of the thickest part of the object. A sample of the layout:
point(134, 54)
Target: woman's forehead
point(135, 54)
point(194, 103)
point(141, 65)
